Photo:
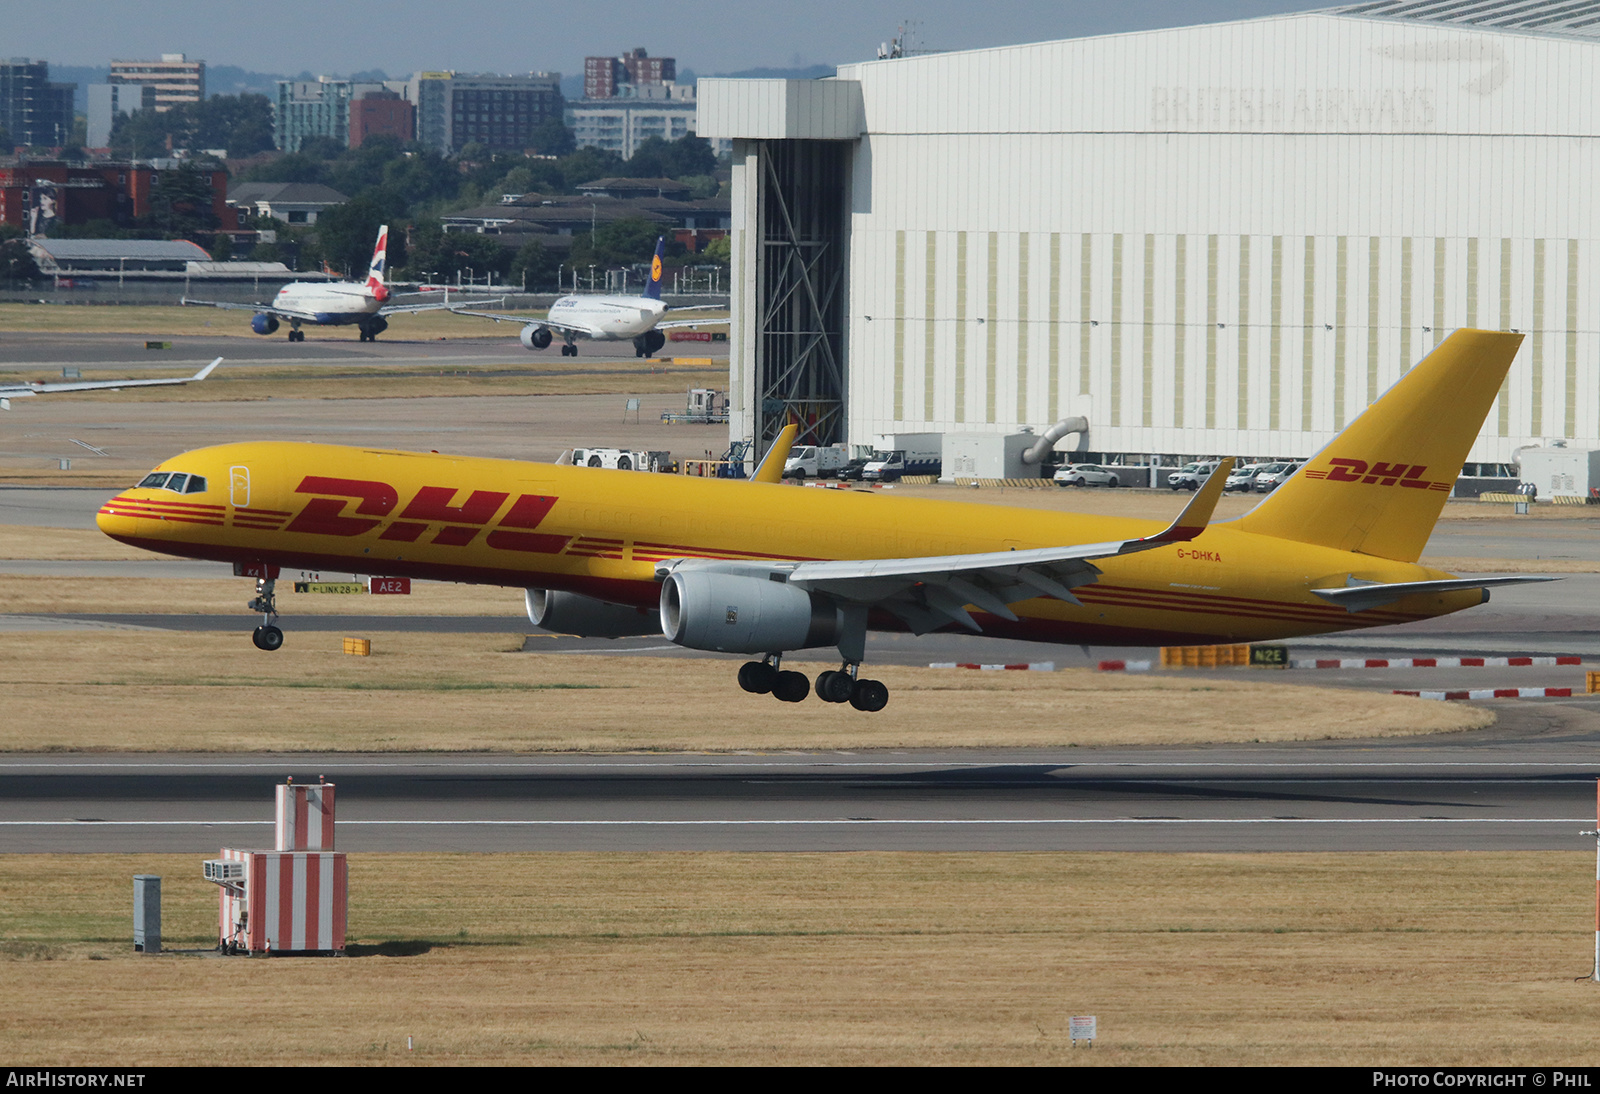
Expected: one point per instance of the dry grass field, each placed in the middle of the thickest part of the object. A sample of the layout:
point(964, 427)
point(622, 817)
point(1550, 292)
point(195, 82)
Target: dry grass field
point(152, 690)
point(872, 958)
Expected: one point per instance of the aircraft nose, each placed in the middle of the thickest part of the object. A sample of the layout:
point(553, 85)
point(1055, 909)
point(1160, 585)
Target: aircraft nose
point(116, 519)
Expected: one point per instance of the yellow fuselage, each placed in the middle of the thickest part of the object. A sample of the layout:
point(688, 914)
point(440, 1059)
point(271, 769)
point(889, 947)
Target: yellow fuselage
point(601, 533)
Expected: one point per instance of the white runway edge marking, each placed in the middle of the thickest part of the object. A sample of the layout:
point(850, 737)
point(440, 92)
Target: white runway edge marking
point(1429, 662)
point(1493, 693)
point(735, 764)
point(843, 822)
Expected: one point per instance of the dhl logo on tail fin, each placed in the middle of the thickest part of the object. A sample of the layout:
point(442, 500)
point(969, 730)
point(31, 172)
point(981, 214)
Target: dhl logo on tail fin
point(1379, 486)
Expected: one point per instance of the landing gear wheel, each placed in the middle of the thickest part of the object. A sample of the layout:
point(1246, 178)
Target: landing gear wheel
point(267, 638)
point(869, 695)
point(791, 687)
point(757, 677)
point(834, 686)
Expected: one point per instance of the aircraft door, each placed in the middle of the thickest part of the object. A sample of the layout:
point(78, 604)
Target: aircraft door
point(239, 486)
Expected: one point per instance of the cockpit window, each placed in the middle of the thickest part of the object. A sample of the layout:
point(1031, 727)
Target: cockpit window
point(178, 484)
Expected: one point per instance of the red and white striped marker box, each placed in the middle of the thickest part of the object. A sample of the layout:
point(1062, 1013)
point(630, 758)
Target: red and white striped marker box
point(289, 902)
point(305, 817)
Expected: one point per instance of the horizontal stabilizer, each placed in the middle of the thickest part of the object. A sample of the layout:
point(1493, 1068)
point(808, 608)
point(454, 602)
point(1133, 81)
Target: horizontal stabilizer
point(1360, 595)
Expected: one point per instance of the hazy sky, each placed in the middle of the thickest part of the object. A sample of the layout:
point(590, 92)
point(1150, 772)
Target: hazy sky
point(708, 36)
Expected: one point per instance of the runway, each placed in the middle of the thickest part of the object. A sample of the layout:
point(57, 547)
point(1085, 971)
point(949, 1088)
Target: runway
point(1498, 793)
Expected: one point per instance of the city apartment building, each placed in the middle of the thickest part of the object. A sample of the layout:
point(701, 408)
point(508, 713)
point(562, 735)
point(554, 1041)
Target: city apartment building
point(32, 109)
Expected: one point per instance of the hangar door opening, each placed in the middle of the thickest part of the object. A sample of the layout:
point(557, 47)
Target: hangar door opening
point(800, 290)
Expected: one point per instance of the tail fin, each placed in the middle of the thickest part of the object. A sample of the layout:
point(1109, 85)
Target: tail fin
point(1379, 486)
point(653, 289)
point(380, 260)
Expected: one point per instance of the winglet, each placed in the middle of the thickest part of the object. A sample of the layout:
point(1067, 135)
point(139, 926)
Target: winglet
point(771, 467)
point(1197, 514)
point(203, 373)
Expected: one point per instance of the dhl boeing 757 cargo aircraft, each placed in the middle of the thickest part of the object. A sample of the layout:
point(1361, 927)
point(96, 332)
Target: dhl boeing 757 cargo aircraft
point(763, 569)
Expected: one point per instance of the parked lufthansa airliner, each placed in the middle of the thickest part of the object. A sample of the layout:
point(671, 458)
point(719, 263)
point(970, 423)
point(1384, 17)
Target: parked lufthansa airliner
point(602, 318)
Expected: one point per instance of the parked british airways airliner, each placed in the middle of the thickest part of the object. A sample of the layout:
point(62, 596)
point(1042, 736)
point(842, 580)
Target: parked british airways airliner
point(334, 303)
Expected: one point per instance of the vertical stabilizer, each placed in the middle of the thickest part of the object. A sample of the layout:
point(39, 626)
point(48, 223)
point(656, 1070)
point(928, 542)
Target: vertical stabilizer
point(1379, 486)
point(380, 261)
point(653, 289)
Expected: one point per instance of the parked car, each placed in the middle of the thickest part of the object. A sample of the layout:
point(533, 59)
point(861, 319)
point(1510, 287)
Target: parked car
point(1086, 474)
point(851, 472)
point(1273, 476)
point(1191, 475)
point(1244, 477)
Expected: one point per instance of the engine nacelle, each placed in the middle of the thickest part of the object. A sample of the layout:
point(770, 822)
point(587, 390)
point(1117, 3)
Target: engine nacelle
point(262, 323)
point(650, 341)
point(731, 613)
point(586, 617)
point(535, 336)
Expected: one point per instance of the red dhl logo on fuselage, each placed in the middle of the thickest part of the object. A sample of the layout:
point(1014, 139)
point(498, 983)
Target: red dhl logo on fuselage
point(1379, 474)
point(325, 515)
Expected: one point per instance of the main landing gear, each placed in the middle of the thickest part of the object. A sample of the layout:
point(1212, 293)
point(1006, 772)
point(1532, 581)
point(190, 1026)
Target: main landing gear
point(296, 334)
point(833, 686)
point(569, 349)
point(267, 636)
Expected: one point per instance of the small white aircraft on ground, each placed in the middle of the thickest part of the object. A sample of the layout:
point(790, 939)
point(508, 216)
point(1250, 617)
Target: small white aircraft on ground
point(15, 391)
point(601, 318)
point(334, 303)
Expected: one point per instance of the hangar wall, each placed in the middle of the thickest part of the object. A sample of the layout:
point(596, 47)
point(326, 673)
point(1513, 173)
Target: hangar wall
point(1219, 239)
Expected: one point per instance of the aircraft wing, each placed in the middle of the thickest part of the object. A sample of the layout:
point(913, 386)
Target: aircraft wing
point(402, 309)
point(575, 328)
point(690, 323)
point(260, 309)
point(13, 391)
point(928, 593)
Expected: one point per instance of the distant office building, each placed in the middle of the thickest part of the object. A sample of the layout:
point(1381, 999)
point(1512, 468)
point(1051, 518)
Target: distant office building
point(381, 112)
point(32, 109)
point(500, 112)
point(607, 77)
point(619, 124)
point(175, 78)
point(106, 101)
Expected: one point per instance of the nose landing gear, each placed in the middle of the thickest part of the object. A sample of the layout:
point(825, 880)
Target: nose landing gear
point(267, 636)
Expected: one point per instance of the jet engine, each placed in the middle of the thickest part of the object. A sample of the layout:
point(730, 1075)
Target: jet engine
point(737, 614)
point(648, 342)
point(535, 336)
point(262, 323)
point(586, 617)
